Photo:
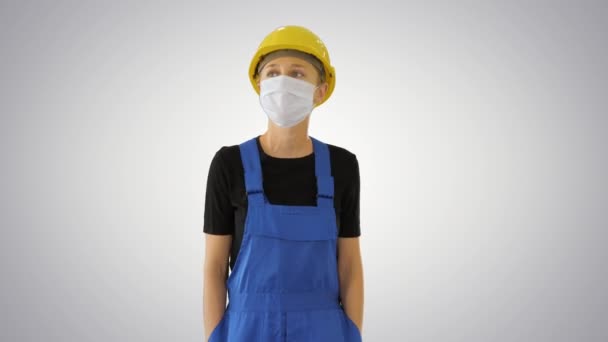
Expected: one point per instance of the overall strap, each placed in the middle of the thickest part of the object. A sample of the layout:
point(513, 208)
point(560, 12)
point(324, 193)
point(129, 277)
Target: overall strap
point(250, 157)
point(325, 181)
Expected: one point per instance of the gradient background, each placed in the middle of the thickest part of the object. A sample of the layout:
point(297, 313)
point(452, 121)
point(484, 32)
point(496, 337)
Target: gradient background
point(480, 129)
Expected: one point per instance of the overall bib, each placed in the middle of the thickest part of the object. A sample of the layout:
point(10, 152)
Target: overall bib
point(284, 285)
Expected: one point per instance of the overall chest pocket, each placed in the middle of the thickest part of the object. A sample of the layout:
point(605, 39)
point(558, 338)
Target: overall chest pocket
point(297, 223)
point(293, 248)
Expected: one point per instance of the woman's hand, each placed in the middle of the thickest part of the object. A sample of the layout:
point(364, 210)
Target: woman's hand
point(350, 269)
point(217, 249)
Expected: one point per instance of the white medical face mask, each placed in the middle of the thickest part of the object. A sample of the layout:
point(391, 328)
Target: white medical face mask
point(286, 100)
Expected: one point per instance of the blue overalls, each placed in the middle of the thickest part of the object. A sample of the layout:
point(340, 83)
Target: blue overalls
point(284, 285)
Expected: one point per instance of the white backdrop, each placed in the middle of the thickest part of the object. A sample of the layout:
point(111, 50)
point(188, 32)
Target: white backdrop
point(480, 129)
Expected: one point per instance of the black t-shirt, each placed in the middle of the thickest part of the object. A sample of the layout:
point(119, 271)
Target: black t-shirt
point(287, 181)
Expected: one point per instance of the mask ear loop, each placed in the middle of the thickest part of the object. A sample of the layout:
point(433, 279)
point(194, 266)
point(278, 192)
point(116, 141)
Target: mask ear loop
point(313, 94)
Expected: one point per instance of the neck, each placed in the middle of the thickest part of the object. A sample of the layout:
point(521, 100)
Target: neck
point(287, 142)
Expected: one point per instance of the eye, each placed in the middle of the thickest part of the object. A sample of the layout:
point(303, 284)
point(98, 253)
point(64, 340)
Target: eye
point(271, 73)
point(297, 74)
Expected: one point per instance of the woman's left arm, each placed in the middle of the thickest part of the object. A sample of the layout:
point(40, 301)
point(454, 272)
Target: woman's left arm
point(350, 269)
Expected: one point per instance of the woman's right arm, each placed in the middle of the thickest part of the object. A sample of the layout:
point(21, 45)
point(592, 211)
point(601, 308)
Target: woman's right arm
point(217, 250)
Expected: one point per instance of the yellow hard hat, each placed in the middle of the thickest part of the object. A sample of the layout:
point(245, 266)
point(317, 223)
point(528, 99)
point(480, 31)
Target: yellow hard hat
point(294, 38)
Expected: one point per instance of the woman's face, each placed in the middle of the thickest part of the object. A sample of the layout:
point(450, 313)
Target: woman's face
point(297, 68)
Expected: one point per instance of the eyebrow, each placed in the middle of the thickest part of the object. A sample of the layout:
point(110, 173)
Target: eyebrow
point(274, 64)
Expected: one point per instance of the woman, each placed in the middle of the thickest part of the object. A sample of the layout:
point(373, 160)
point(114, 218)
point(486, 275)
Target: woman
point(282, 211)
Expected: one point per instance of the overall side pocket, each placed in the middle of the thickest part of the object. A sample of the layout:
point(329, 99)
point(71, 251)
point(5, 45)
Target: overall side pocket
point(354, 332)
point(216, 333)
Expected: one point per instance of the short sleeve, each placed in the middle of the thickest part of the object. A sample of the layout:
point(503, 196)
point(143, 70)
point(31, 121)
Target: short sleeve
point(349, 214)
point(219, 213)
